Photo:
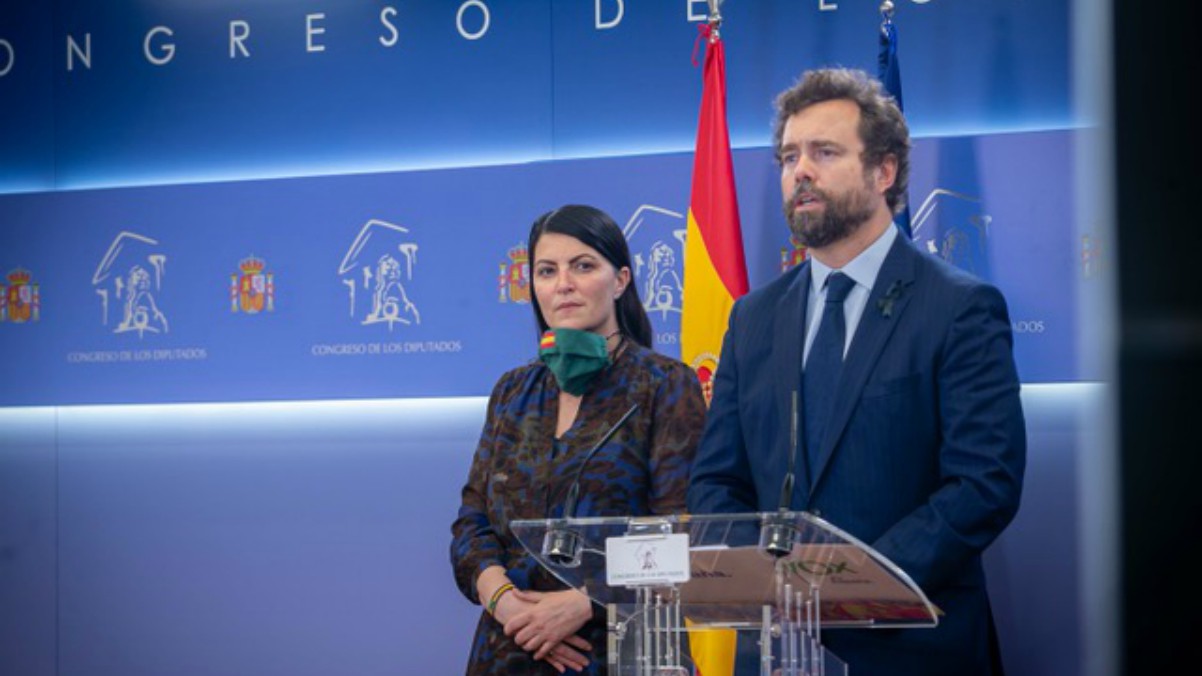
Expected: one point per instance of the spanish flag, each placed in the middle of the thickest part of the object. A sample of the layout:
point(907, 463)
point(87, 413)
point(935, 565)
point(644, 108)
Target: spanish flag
point(713, 650)
point(715, 273)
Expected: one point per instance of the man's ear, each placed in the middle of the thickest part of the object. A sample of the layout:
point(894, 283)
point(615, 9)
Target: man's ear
point(885, 173)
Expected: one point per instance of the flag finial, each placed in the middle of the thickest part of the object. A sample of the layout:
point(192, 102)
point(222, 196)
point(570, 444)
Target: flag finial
point(886, 13)
point(715, 19)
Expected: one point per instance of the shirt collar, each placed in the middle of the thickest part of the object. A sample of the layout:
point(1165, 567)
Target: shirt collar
point(863, 269)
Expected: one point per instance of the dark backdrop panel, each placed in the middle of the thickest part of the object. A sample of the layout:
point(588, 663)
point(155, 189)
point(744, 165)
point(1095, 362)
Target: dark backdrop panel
point(1160, 341)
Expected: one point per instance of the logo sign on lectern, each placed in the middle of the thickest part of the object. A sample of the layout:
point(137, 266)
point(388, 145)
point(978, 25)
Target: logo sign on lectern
point(657, 560)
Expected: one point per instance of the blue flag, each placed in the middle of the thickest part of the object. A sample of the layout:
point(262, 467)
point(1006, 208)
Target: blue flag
point(890, 76)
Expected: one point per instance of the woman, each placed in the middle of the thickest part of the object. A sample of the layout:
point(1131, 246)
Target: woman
point(596, 362)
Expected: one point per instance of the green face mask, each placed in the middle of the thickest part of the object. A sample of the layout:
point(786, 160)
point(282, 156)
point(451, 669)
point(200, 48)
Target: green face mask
point(574, 356)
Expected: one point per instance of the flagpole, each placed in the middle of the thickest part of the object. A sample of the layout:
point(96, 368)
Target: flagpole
point(890, 77)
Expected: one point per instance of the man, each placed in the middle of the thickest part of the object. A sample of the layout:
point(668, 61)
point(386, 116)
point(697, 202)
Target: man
point(916, 443)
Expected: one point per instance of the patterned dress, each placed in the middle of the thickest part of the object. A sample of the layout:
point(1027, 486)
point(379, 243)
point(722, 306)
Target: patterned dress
point(521, 471)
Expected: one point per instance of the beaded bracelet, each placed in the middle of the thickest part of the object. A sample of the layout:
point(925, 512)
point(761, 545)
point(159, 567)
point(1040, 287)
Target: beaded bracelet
point(496, 597)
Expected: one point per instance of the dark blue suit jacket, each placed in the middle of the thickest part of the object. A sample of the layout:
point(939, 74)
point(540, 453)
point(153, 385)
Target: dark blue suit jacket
point(925, 450)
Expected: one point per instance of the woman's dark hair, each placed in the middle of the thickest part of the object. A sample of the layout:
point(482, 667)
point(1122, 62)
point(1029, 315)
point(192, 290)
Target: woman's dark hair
point(596, 229)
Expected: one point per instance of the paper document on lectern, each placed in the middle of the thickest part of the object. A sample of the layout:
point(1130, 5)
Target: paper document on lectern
point(854, 587)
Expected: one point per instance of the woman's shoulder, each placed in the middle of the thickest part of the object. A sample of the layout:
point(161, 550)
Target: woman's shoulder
point(649, 357)
point(658, 365)
point(520, 378)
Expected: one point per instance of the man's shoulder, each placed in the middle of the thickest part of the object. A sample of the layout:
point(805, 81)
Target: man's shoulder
point(934, 270)
point(946, 286)
point(771, 292)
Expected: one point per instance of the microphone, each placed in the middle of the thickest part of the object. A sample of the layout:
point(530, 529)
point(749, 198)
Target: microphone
point(778, 534)
point(786, 489)
point(560, 545)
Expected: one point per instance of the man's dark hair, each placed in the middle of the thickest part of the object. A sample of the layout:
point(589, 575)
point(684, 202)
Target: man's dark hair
point(883, 129)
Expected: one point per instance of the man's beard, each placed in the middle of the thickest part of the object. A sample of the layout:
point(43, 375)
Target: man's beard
point(840, 217)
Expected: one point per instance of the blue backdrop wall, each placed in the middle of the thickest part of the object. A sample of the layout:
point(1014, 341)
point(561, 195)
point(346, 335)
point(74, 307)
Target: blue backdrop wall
point(324, 203)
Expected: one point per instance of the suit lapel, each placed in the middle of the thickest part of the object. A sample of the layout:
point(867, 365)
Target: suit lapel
point(886, 303)
point(788, 336)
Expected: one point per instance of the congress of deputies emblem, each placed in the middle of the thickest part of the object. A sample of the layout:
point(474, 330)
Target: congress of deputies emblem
point(252, 288)
point(128, 280)
point(375, 270)
point(656, 239)
point(955, 227)
point(513, 280)
point(20, 298)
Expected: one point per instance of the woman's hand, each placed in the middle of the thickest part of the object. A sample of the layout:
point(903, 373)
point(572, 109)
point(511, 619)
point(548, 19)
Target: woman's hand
point(510, 605)
point(569, 654)
point(552, 619)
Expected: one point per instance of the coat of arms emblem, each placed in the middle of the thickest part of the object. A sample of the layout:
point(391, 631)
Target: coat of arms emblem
point(20, 298)
point(252, 289)
point(514, 279)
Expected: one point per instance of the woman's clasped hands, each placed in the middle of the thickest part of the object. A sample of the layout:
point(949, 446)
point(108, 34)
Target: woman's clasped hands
point(545, 624)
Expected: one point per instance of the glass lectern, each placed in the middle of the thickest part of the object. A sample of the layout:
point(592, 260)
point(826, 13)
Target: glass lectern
point(675, 586)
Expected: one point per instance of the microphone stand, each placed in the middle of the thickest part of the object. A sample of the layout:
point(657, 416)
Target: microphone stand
point(561, 545)
point(778, 533)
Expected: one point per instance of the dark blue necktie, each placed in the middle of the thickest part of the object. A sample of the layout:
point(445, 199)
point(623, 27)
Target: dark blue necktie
point(822, 367)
